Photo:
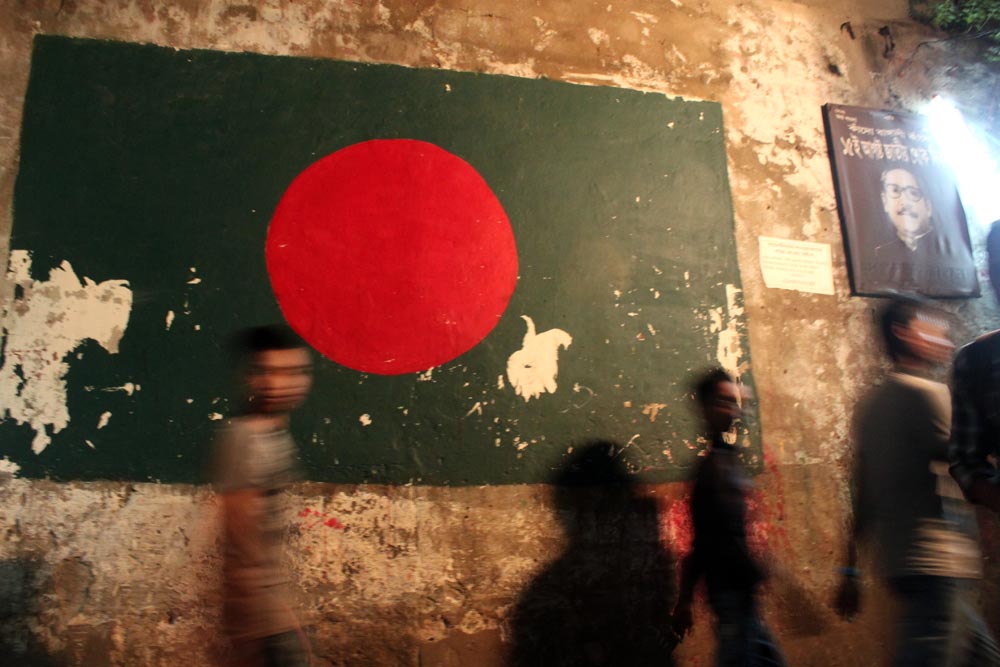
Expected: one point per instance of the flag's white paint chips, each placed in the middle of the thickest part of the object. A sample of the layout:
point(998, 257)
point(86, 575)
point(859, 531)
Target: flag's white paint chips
point(426, 376)
point(365, 419)
point(42, 326)
point(477, 408)
point(500, 382)
point(129, 388)
point(90, 444)
point(215, 416)
point(170, 319)
point(103, 420)
point(533, 369)
point(651, 410)
point(725, 323)
point(9, 467)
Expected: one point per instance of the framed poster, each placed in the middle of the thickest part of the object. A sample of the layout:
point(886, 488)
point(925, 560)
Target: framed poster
point(904, 226)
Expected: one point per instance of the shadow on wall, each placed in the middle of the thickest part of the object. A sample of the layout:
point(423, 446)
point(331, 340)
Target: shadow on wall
point(19, 607)
point(606, 600)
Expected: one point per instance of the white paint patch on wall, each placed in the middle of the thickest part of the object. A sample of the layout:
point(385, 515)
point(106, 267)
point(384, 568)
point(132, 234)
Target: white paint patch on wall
point(9, 467)
point(729, 350)
point(652, 410)
point(42, 325)
point(129, 388)
point(365, 419)
point(599, 37)
point(533, 369)
point(103, 420)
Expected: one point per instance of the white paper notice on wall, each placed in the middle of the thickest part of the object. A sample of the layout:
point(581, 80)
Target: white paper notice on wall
point(796, 265)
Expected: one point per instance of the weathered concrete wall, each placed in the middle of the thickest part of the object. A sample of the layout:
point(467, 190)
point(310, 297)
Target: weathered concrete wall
point(120, 574)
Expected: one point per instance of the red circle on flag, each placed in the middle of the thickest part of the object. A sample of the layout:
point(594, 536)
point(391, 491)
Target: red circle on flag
point(391, 256)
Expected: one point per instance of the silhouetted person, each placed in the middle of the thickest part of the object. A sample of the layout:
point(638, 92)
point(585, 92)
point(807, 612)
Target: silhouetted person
point(605, 600)
point(22, 614)
point(976, 416)
point(720, 553)
point(908, 508)
point(255, 461)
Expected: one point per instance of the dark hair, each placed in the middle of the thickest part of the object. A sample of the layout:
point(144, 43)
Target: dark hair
point(247, 343)
point(706, 386)
point(899, 312)
point(993, 245)
point(916, 177)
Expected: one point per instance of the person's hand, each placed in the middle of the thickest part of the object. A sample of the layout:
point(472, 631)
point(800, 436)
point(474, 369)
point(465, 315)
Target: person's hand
point(682, 619)
point(848, 600)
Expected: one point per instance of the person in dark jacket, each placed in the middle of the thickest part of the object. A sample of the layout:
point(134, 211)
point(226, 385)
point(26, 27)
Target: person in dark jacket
point(720, 553)
point(907, 508)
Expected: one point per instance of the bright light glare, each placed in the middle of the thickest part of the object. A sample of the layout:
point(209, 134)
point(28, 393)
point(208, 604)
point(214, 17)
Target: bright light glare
point(978, 177)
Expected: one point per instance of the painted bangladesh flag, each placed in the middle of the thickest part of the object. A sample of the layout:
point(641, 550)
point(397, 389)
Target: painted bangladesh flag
point(491, 270)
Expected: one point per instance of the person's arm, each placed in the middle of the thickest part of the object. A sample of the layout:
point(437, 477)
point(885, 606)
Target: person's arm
point(848, 598)
point(691, 571)
point(241, 500)
point(969, 451)
point(693, 565)
point(931, 420)
point(242, 520)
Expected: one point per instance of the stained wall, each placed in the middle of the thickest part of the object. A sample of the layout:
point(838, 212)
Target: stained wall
point(106, 573)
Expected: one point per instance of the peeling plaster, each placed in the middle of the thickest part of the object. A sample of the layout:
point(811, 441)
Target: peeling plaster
point(9, 467)
point(46, 322)
point(725, 322)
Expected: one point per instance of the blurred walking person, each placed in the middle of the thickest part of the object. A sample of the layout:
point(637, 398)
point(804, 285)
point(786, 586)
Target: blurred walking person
point(720, 553)
point(254, 463)
point(975, 438)
point(907, 507)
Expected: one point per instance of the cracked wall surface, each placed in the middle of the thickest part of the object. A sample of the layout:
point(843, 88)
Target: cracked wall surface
point(121, 574)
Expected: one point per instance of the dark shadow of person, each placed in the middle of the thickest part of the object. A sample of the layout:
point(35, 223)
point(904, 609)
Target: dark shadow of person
point(19, 613)
point(606, 600)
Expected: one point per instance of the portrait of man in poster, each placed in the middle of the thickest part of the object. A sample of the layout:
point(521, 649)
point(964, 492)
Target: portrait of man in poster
point(904, 226)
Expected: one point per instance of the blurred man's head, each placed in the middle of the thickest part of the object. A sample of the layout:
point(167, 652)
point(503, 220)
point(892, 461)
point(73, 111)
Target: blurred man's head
point(906, 204)
point(915, 333)
point(719, 399)
point(275, 367)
